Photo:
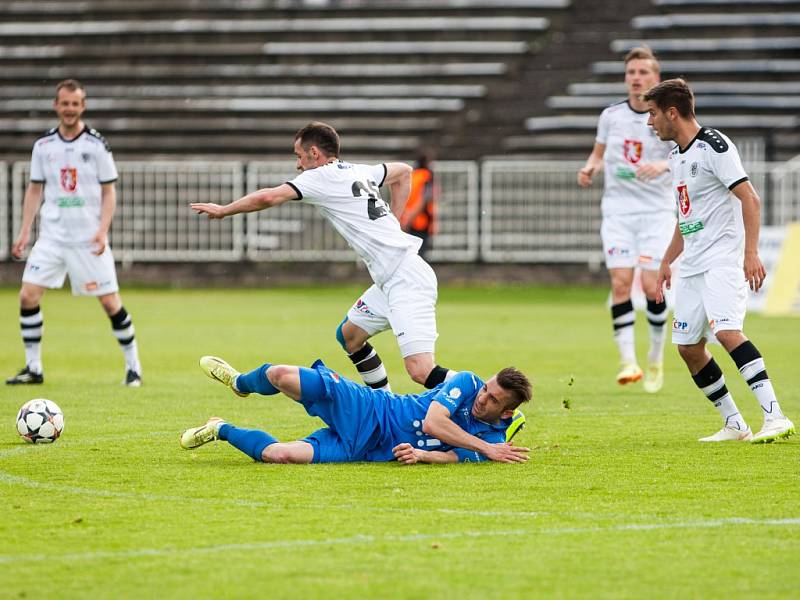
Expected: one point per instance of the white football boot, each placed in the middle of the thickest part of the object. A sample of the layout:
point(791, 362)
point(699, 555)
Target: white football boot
point(653, 378)
point(630, 373)
point(773, 429)
point(729, 434)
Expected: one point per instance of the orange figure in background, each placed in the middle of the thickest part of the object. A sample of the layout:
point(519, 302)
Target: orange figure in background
point(419, 214)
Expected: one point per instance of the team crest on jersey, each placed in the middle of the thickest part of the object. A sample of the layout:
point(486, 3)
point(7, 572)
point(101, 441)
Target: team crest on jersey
point(693, 169)
point(632, 149)
point(69, 179)
point(684, 204)
point(85, 157)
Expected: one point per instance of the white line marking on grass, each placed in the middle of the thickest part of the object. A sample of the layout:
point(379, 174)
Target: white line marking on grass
point(372, 539)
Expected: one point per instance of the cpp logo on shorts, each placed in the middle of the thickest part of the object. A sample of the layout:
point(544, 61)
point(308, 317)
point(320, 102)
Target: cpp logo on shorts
point(679, 325)
point(617, 251)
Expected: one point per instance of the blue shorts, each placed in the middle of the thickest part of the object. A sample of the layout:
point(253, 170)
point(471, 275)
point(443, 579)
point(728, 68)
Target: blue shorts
point(354, 431)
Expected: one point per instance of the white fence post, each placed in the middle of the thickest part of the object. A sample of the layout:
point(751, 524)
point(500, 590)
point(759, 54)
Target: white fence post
point(4, 216)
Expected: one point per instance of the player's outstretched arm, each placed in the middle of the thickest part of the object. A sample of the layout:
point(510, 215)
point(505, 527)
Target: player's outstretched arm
point(398, 178)
point(258, 200)
point(754, 271)
point(406, 454)
point(593, 164)
point(30, 206)
point(438, 424)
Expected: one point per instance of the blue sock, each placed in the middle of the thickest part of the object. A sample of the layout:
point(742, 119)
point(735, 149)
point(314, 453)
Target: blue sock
point(256, 382)
point(250, 441)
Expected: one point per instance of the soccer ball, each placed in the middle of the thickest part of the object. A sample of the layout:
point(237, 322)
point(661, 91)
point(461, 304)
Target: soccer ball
point(40, 421)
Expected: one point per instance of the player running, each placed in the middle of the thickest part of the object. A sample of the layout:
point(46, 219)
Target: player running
point(638, 214)
point(462, 420)
point(718, 241)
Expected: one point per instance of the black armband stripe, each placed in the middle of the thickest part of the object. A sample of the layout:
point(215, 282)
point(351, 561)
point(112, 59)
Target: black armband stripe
point(737, 182)
point(385, 174)
point(295, 188)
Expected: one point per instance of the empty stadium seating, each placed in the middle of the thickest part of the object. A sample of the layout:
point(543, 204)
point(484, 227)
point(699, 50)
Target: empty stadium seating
point(206, 77)
point(741, 57)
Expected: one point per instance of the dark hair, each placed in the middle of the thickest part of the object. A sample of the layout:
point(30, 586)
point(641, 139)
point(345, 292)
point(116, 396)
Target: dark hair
point(321, 135)
point(517, 383)
point(643, 53)
point(72, 85)
point(672, 93)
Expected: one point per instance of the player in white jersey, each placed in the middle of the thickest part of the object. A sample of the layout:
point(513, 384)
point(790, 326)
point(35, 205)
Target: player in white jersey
point(404, 293)
point(638, 214)
point(72, 167)
point(719, 216)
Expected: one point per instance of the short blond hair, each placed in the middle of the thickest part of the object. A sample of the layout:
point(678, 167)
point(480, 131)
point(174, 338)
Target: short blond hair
point(643, 53)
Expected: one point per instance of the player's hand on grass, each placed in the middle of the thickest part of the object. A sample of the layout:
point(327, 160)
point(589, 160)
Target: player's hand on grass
point(99, 242)
point(754, 271)
point(214, 211)
point(585, 176)
point(506, 452)
point(664, 279)
point(20, 244)
point(406, 454)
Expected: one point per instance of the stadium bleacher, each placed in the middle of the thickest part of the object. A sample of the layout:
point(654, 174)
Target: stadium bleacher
point(739, 55)
point(196, 78)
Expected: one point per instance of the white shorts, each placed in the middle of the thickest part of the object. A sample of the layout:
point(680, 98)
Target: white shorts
point(707, 303)
point(637, 240)
point(89, 275)
point(406, 303)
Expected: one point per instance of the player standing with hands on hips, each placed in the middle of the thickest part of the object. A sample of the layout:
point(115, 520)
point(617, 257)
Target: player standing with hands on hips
point(72, 167)
point(638, 214)
point(718, 241)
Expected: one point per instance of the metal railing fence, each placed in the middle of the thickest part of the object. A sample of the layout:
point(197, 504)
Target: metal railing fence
point(153, 221)
point(523, 211)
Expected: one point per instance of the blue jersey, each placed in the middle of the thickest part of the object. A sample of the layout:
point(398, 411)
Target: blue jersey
point(365, 424)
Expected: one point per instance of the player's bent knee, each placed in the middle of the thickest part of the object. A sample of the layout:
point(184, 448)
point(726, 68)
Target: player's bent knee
point(279, 375)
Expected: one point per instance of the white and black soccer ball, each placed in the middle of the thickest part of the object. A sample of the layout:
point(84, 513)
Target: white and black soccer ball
point(40, 421)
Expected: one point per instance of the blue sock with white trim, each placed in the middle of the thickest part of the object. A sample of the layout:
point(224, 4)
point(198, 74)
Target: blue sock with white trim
point(250, 441)
point(256, 382)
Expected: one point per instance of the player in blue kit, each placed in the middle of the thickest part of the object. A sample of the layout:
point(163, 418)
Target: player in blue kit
point(461, 420)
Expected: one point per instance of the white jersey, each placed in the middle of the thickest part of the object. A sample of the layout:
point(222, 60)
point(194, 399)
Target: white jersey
point(72, 172)
point(709, 215)
point(348, 196)
point(629, 143)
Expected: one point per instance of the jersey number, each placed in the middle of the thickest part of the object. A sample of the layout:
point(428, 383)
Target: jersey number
point(376, 206)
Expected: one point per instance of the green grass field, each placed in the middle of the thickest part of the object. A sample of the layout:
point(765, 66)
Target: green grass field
point(618, 499)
